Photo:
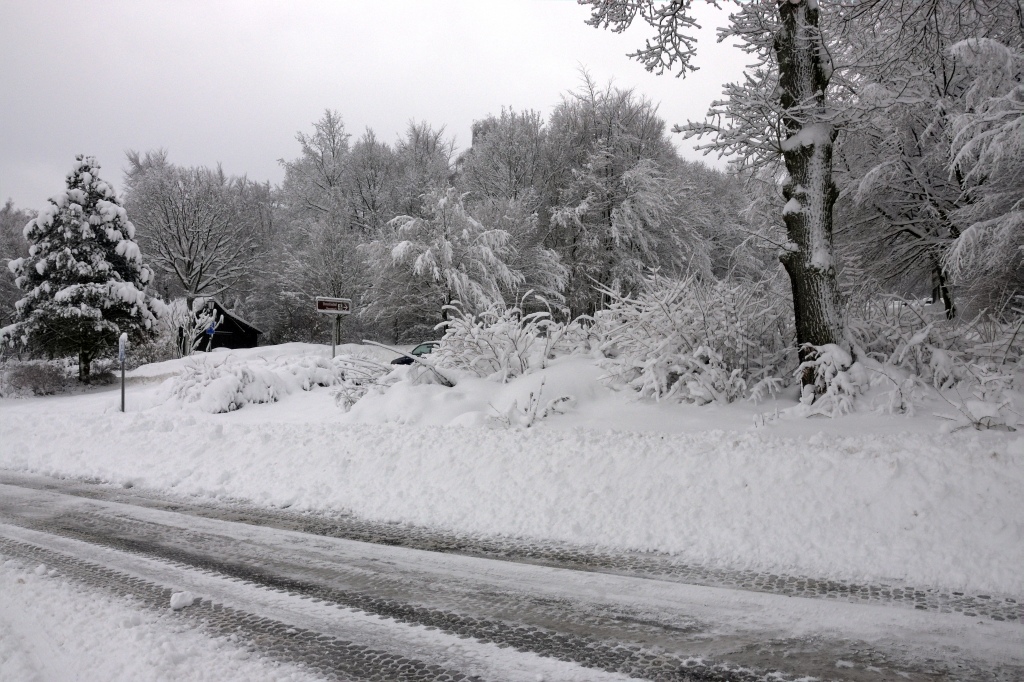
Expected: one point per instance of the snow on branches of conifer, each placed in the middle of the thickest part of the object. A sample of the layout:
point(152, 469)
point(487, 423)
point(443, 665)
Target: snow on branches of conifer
point(84, 279)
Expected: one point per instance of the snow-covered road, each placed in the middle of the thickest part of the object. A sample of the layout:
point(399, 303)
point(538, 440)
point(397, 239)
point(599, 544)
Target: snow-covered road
point(349, 609)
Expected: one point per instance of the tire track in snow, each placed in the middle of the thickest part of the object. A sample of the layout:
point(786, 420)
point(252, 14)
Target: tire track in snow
point(224, 543)
point(649, 565)
point(631, 661)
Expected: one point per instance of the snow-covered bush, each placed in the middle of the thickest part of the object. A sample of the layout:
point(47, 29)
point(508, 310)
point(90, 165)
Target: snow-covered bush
point(698, 340)
point(503, 343)
point(229, 385)
point(536, 406)
point(34, 377)
point(973, 365)
point(358, 377)
point(837, 380)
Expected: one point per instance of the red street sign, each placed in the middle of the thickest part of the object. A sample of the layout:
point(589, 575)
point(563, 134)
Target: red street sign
point(333, 306)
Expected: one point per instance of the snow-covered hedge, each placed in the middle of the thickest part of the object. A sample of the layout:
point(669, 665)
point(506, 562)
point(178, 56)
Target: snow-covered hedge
point(698, 340)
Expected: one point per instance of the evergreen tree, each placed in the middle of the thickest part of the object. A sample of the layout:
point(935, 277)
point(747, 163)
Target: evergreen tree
point(12, 245)
point(84, 279)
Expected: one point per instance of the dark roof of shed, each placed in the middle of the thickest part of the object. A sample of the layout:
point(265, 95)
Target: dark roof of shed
point(239, 320)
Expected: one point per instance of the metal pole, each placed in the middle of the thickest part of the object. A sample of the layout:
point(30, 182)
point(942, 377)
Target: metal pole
point(122, 348)
point(337, 330)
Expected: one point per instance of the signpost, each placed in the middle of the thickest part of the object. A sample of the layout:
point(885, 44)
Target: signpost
point(336, 307)
point(122, 347)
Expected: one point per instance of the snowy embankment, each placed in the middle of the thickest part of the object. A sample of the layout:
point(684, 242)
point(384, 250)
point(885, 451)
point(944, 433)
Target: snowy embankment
point(864, 497)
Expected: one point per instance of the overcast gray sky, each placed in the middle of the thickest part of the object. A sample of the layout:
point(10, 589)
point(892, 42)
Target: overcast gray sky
point(232, 81)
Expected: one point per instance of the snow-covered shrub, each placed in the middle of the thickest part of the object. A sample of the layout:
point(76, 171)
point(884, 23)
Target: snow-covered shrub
point(973, 365)
point(535, 407)
point(837, 381)
point(503, 343)
point(229, 385)
point(34, 377)
point(358, 377)
point(990, 401)
point(698, 340)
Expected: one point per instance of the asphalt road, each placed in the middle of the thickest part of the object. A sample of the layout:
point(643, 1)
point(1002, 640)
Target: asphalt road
point(355, 600)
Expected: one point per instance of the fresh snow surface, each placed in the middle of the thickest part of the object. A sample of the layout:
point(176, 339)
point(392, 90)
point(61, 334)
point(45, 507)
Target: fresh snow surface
point(52, 629)
point(866, 497)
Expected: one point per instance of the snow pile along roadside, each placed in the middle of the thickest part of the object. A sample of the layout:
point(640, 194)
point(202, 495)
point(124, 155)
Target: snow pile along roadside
point(940, 510)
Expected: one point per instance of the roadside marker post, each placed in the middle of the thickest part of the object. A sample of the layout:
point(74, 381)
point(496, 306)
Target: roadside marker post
point(122, 347)
point(336, 307)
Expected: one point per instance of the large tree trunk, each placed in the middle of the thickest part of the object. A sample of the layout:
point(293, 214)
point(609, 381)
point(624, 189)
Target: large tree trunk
point(804, 72)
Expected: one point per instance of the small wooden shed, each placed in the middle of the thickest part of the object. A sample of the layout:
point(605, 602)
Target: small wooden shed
point(231, 331)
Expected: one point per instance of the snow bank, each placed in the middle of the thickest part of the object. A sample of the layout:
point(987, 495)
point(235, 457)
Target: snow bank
point(866, 497)
point(932, 510)
point(475, 401)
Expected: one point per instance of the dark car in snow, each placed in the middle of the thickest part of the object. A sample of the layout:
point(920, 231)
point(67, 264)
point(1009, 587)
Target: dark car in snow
point(419, 351)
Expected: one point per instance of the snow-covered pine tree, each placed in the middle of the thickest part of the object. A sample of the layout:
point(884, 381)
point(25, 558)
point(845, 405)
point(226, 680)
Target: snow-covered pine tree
point(12, 245)
point(84, 279)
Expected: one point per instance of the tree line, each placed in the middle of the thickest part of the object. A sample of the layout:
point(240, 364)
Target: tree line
point(593, 196)
point(877, 148)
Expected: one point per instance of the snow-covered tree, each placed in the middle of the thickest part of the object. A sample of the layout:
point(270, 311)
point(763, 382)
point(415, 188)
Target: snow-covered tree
point(445, 256)
point(781, 110)
point(12, 245)
point(424, 158)
point(205, 230)
point(541, 267)
point(334, 198)
point(507, 158)
point(988, 150)
point(901, 85)
point(611, 213)
point(373, 189)
point(84, 279)
point(316, 182)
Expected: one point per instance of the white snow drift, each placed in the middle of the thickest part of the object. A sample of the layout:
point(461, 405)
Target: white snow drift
point(865, 497)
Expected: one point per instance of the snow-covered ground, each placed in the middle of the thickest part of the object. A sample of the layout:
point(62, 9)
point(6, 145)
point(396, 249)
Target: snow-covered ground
point(51, 629)
point(866, 497)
